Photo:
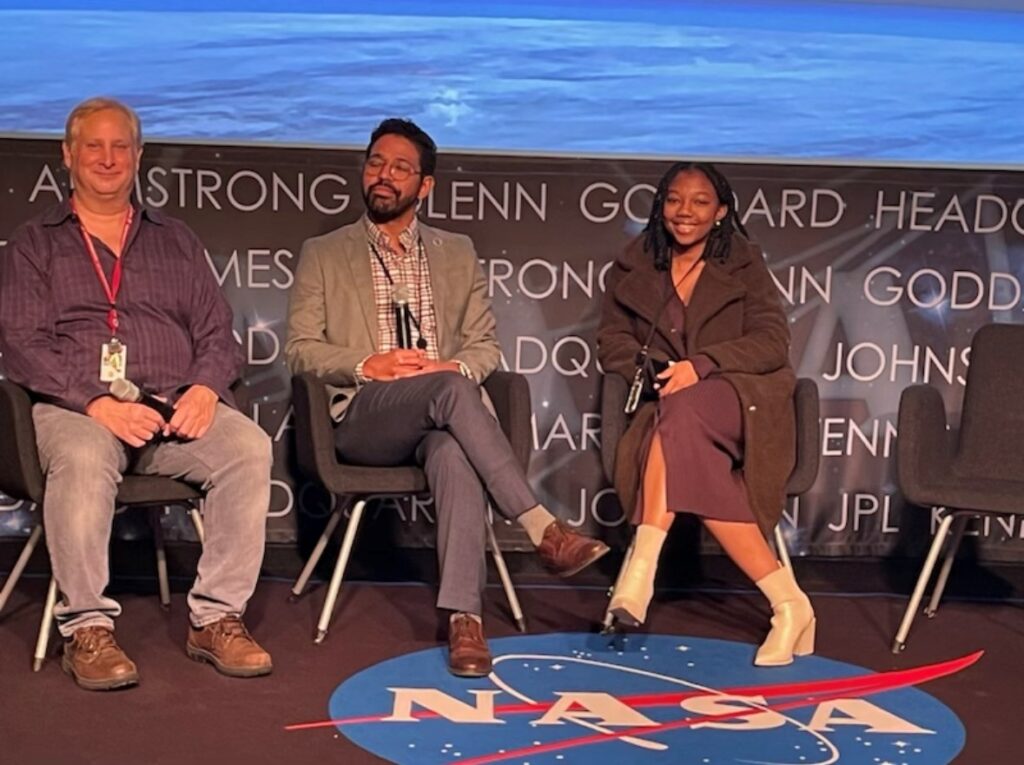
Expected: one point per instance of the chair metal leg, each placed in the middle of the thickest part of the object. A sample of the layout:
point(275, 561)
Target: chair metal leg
point(506, 580)
point(608, 622)
point(161, 558)
point(339, 570)
point(900, 641)
point(318, 551)
point(197, 521)
point(780, 547)
point(19, 565)
point(45, 625)
point(947, 564)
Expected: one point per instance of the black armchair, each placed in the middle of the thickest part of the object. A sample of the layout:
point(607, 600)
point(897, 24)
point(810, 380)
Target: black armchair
point(317, 458)
point(978, 471)
point(21, 477)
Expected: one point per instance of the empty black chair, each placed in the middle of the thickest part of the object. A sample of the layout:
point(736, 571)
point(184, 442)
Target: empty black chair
point(979, 470)
point(318, 458)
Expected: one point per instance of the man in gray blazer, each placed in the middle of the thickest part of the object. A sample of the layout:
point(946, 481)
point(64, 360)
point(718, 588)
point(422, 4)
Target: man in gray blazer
point(404, 384)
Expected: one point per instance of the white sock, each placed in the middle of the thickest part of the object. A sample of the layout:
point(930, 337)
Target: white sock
point(535, 521)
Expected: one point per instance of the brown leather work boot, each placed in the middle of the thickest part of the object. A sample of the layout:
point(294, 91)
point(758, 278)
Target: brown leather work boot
point(468, 655)
point(566, 552)
point(228, 646)
point(95, 660)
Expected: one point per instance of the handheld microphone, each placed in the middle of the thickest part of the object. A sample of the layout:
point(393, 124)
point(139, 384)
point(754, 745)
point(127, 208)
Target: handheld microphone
point(125, 390)
point(403, 318)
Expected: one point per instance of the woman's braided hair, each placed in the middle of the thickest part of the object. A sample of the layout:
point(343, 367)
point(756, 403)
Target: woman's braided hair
point(657, 239)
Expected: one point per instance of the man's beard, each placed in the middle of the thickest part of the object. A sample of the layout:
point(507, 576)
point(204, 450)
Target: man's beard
point(386, 209)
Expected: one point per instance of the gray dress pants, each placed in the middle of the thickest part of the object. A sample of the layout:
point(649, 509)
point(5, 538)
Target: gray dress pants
point(439, 421)
point(84, 463)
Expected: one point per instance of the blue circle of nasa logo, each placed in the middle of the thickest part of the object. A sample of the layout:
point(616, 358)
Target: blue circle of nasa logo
point(571, 697)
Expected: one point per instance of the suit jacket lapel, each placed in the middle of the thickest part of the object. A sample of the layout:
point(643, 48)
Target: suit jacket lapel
point(357, 257)
point(440, 283)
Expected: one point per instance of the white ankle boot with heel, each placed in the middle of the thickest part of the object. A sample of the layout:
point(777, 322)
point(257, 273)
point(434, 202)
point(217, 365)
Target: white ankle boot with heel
point(793, 622)
point(634, 587)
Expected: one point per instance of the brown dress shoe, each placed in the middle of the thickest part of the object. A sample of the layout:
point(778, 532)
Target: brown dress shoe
point(95, 660)
point(566, 552)
point(468, 655)
point(228, 646)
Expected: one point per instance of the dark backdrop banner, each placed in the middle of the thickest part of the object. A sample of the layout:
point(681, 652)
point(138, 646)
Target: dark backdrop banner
point(885, 273)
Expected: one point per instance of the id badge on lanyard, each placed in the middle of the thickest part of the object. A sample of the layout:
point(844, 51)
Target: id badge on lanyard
point(113, 359)
point(113, 354)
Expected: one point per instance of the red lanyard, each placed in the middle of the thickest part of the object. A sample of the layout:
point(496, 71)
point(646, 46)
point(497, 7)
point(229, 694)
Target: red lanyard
point(112, 287)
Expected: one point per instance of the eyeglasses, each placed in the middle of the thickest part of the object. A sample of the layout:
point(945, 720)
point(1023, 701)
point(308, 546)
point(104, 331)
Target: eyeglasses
point(399, 170)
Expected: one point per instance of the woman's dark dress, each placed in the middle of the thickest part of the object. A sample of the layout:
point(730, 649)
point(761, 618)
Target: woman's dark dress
point(701, 430)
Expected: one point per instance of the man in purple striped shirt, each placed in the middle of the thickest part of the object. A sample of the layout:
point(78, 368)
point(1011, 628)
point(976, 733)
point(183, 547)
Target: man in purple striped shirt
point(97, 290)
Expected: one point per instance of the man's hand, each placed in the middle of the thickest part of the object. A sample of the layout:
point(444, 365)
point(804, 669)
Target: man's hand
point(679, 375)
point(193, 413)
point(135, 424)
point(439, 366)
point(396, 364)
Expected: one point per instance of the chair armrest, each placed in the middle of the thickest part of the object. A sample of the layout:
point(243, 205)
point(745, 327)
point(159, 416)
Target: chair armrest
point(510, 394)
point(314, 429)
point(808, 437)
point(613, 419)
point(244, 396)
point(924, 447)
point(20, 474)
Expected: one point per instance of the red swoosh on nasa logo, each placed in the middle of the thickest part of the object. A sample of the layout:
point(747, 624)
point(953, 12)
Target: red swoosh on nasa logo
point(812, 692)
point(821, 690)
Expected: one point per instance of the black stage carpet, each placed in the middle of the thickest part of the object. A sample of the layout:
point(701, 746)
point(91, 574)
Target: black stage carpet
point(184, 713)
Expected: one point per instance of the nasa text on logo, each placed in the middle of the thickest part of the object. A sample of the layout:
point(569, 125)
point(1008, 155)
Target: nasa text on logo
point(571, 697)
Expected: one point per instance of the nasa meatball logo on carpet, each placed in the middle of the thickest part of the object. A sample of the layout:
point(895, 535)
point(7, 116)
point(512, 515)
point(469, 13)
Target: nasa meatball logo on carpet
point(585, 698)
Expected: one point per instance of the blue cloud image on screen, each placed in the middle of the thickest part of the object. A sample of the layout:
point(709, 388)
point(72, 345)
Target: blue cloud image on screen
point(934, 83)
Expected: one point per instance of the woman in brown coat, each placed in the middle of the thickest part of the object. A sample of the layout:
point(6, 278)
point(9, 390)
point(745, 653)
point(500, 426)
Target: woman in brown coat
point(713, 433)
